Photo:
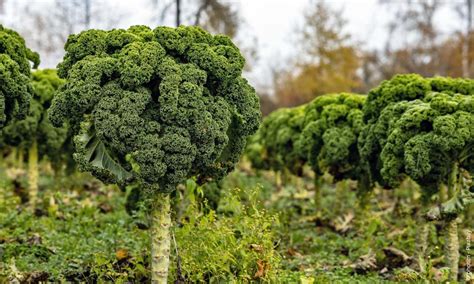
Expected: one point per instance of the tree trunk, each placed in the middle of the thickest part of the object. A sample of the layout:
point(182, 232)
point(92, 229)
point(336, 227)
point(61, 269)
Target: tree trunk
point(452, 241)
point(160, 239)
point(178, 13)
point(87, 13)
point(465, 52)
point(33, 173)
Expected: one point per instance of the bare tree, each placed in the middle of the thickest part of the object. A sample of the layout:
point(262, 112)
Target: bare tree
point(465, 11)
point(216, 16)
point(327, 62)
point(47, 25)
point(178, 13)
point(2, 6)
point(87, 13)
point(413, 25)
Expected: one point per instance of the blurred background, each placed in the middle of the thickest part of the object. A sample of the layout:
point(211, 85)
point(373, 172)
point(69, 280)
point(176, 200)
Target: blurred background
point(295, 49)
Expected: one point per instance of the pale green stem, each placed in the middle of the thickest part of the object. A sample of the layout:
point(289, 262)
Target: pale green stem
point(422, 238)
point(422, 245)
point(286, 176)
point(21, 157)
point(453, 249)
point(452, 242)
point(317, 193)
point(33, 173)
point(160, 238)
point(12, 157)
point(278, 180)
point(443, 193)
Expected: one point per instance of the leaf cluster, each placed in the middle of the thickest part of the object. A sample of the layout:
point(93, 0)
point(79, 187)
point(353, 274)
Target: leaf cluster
point(273, 146)
point(155, 106)
point(322, 134)
point(36, 127)
point(329, 139)
point(418, 127)
point(15, 87)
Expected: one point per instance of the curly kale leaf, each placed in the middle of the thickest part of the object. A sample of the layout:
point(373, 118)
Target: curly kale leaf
point(274, 145)
point(15, 87)
point(419, 128)
point(36, 126)
point(160, 105)
point(329, 138)
point(99, 161)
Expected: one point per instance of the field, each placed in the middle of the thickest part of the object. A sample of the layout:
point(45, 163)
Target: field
point(247, 229)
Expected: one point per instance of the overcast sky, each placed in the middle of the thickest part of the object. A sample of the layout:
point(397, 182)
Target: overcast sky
point(271, 22)
point(274, 22)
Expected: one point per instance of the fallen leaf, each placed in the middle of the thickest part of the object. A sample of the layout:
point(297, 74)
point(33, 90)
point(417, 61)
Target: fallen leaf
point(15, 173)
point(293, 252)
point(105, 207)
point(262, 268)
point(396, 257)
point(121, 254)
point(343, 224)
point(396, 232)
point(35, 239)
point(36, 277)
point(365, 263)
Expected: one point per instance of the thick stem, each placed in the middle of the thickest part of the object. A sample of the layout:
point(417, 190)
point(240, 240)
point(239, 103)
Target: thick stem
point(422, 238)
point(278, 181)
point(443, 193)
point(317, 193)
point(286, 176)
point(452, 242)
point(364, 190)
point(470, 215)
point(422, 245)
point(33, 173)
point(452, 246)
point(21, 157)
point(160, 239)
point(12, 157)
